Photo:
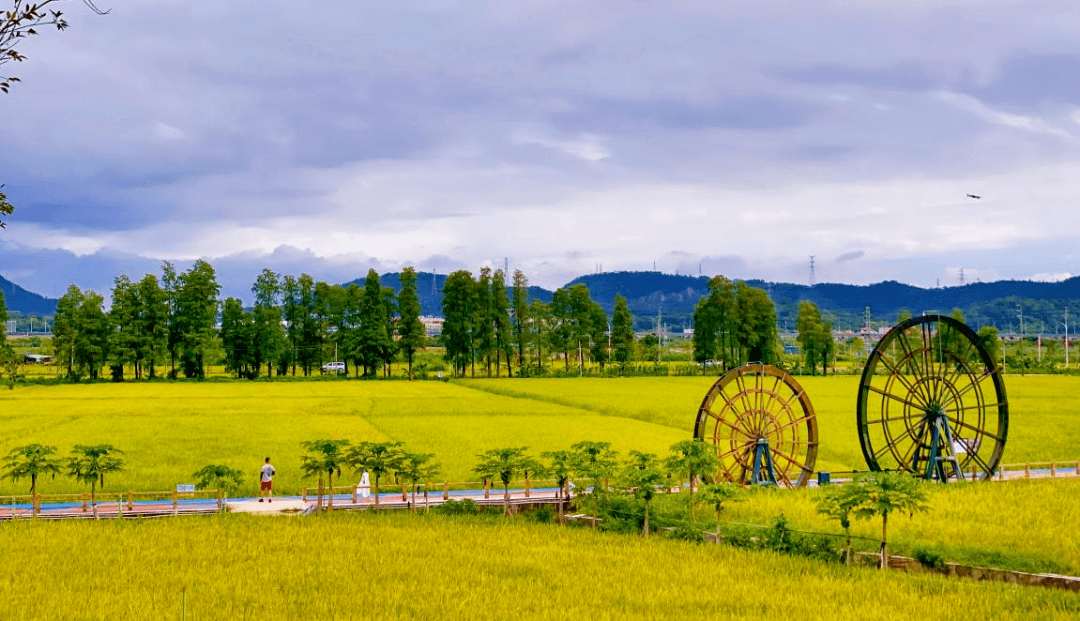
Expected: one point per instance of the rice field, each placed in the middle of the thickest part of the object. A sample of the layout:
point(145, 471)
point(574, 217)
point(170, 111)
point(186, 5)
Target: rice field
point(170, 430)
point(397, 566)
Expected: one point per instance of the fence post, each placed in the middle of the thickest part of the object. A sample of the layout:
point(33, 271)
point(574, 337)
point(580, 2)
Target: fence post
point(528, 487)
point(83, 497)
point(131, 501)
point(1053, 469)
point(1078, 468)
point(487, 489)
point(446, 485)
point(120, 505)
point(404, 493)
point(303, 493)
point(1027, 471)
point(219, 499)
point(354, 494)
point(35, 504)
point(175, 502)
point(1001, 472)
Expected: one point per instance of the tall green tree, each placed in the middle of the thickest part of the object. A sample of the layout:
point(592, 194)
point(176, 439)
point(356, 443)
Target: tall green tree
point(813, 339)
point(90, 464)
point(170, 285)
point(410, 329)
point(756, 320)
point(716, 325)
point(196, 314)
point(502, 464)
point(268, 334)
point(3, 318)
point(65, 329)
point(373, 339)
point(459, 315)
point(31, 461)
point(324, 457)
point(238, 339)
point(521, 315)
point(483, 320)
point(378, 458)
point(125, 339)
point(622, 332)
point(500, 315)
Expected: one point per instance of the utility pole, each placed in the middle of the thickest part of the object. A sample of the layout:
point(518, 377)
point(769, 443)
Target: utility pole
point(1021, 315)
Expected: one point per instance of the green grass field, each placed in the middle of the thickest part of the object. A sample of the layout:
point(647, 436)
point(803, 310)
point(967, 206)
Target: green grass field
point(397, 566)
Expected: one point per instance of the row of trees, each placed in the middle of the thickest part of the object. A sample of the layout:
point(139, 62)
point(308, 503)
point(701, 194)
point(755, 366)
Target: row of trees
point(483, 325)
point(735, 324)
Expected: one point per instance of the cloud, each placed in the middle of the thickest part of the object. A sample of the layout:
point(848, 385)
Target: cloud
point(558, 134)
point(850, 256)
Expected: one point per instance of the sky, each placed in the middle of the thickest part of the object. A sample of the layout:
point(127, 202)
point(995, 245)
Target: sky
point(562, 138)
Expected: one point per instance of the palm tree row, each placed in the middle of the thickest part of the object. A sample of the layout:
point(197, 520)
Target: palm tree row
point(379, 459)
point(87, 464)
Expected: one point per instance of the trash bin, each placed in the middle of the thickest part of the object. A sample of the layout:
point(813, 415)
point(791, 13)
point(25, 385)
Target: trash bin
point(824, 478)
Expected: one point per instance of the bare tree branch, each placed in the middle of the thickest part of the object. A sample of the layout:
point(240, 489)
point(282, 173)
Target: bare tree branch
point(22, 21)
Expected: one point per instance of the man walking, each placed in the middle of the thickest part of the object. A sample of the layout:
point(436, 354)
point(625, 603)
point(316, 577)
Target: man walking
point(266, 481)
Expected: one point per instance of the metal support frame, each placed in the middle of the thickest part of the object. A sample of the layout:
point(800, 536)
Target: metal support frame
point(764, 473)
point(940, 453)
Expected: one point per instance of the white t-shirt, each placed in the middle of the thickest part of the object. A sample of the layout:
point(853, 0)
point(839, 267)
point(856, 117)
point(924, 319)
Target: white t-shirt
point(267, 473)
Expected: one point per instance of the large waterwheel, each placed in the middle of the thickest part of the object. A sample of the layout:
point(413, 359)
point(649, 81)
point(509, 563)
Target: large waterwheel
point(932, 402)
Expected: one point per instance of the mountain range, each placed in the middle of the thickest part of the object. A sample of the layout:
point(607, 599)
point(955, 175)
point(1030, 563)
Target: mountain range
point(672, 298)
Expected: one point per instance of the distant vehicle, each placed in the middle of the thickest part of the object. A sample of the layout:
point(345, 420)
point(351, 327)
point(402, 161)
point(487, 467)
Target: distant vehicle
point(333, 367)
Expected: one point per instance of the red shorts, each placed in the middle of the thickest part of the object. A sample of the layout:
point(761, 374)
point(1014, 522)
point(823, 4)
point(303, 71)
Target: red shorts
point(266, 486)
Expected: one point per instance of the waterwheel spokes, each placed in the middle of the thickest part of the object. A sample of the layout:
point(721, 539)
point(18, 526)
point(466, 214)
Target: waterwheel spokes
point(932, 373)
point(760, 403)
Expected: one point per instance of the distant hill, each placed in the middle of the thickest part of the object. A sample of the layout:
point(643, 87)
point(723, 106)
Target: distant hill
point(26, 302)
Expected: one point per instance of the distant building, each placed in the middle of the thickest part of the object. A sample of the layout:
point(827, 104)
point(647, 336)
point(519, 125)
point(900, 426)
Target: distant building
point(432, 326)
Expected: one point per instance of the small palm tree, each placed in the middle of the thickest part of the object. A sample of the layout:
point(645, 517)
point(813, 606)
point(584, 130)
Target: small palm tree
point(325, 456)
point(560, 466)
point(414, 469)
point(31, 461)
point(716, 495)
point(884, 493)
point(227, 479)
point(641, 476)
point(596, 463)
point(502, 464)
point(839, 502)
point(378, 458)
point(90, 464)
point(692, 458)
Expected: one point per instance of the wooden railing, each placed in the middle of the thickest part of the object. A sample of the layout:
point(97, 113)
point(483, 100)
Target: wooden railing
point(109, 503)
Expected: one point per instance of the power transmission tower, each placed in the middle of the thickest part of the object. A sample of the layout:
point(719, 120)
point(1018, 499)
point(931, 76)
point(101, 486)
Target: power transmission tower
point(812, 270)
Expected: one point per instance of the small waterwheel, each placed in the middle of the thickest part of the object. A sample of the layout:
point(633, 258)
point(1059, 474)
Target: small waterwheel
point(763, 427)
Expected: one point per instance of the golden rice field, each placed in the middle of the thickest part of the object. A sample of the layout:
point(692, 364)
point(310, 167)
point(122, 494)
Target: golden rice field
point(399, 566)
point(170, 430)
